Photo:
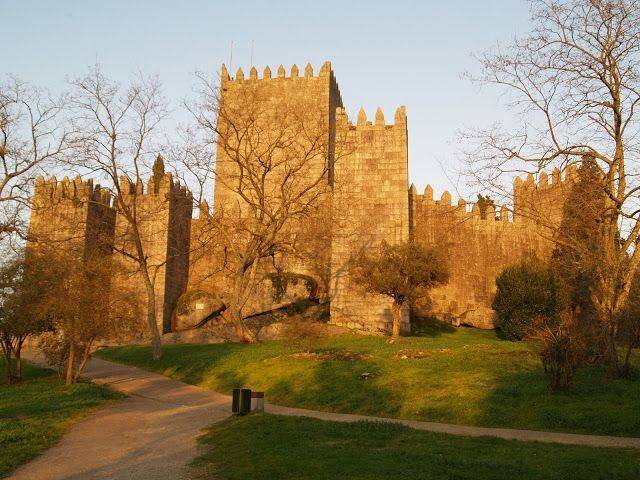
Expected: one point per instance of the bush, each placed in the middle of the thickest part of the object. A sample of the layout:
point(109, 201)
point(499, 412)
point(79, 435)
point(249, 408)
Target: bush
point(527, 291)
point(564, 347)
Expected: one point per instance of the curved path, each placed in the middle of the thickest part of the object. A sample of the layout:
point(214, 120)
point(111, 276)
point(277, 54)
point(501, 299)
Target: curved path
point(152, 434)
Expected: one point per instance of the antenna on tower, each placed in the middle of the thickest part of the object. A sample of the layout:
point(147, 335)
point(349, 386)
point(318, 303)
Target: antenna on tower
point(251, 62)
point(231, 57)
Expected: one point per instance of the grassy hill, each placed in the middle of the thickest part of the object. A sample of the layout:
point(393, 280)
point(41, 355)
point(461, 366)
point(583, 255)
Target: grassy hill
point(463, 376)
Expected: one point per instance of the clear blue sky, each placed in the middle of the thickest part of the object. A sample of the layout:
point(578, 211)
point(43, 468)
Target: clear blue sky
point(384, 53)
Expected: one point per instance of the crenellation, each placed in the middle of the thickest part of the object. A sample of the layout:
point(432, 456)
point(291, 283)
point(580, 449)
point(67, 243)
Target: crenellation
point(54, 191)
point(224, 74)
point(362, 117)
point(308, 71)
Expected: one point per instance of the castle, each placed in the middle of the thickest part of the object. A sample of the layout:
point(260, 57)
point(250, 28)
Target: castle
point(364, 168)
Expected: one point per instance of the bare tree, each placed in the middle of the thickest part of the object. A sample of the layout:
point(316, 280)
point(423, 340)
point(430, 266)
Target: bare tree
point(271, 172)
point(33, 136)
point(575, 83)
point(114, 128)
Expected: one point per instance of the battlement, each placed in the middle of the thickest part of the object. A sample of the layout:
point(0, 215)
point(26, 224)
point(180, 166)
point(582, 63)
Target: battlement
point(51, 191)
point(528, 182)
point(400, 119)
point(281, 79)
point(466, 210)
point(294, 73)
point(166, 186)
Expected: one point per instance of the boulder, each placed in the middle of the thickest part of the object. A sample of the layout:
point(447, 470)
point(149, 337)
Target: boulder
point(273, 331)
point(195, 309)
point(481, 317)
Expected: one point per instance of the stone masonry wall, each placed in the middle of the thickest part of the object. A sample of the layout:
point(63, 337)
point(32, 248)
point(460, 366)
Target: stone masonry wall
point(70, 215)
point(370, 205)
point(164, 217)
point(365, 168)
point(266, 108)
point(478, 248)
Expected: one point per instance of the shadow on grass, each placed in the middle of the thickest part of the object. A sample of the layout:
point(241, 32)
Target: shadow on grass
point(344, 386)
point(596, 404)
point(427, 326)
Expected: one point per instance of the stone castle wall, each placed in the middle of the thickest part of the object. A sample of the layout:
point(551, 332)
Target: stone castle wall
point(479, 248)
point(164, 217)
point(364, 169)
point(370, 206)
point(71, 215)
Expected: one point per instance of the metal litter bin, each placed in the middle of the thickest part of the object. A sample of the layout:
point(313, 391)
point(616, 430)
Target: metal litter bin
point(257, 402)
point(241, 401)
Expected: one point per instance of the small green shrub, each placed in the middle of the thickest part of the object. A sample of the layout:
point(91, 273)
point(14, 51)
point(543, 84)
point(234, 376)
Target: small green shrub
point(526, 291)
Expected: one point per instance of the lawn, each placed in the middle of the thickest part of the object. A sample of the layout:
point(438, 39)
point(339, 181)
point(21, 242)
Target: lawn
point(35, 413)
point(270, 446)
point(464, 376)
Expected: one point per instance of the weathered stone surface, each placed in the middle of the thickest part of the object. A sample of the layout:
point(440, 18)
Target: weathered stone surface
point(274, 331)
point(478, 248)
point(194, 308)
point(482, 317)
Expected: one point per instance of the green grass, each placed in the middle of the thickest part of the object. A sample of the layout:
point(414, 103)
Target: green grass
point(270, 446)
point(466, 377)
point(35, 413)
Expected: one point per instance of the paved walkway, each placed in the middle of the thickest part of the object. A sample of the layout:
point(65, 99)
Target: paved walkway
point(152, 434)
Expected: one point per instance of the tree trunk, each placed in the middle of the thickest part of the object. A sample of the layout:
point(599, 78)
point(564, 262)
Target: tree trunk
point(9, 370)
point(18, 368)
point(7, 350)
point(245, 335)
point(83, 361)
point(72, 356)
point(156, 341)
point(395, 312)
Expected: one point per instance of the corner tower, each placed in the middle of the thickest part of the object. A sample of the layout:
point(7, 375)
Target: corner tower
point(371, 205)
point(164, 218)
point(72, 216)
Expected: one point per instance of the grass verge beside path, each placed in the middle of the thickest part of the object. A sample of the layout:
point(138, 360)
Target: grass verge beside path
point(35, 413)
point(271, 446)
point(467, 377)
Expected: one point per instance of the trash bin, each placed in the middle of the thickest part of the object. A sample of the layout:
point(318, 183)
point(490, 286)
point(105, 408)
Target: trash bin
point(257, 402)
point(245, 401)
point(235, 401)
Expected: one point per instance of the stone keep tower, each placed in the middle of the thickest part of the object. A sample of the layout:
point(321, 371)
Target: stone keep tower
point(74, 216)
point(370, 206)
point(268, 111)
point(164, 217)
point(278, 103)
point(365, 165)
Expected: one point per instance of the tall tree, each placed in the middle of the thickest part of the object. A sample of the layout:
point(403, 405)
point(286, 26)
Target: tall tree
point(34, 135)
point(579, 250)
point(574, 80)
point(22, 289)
point(113, 131)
